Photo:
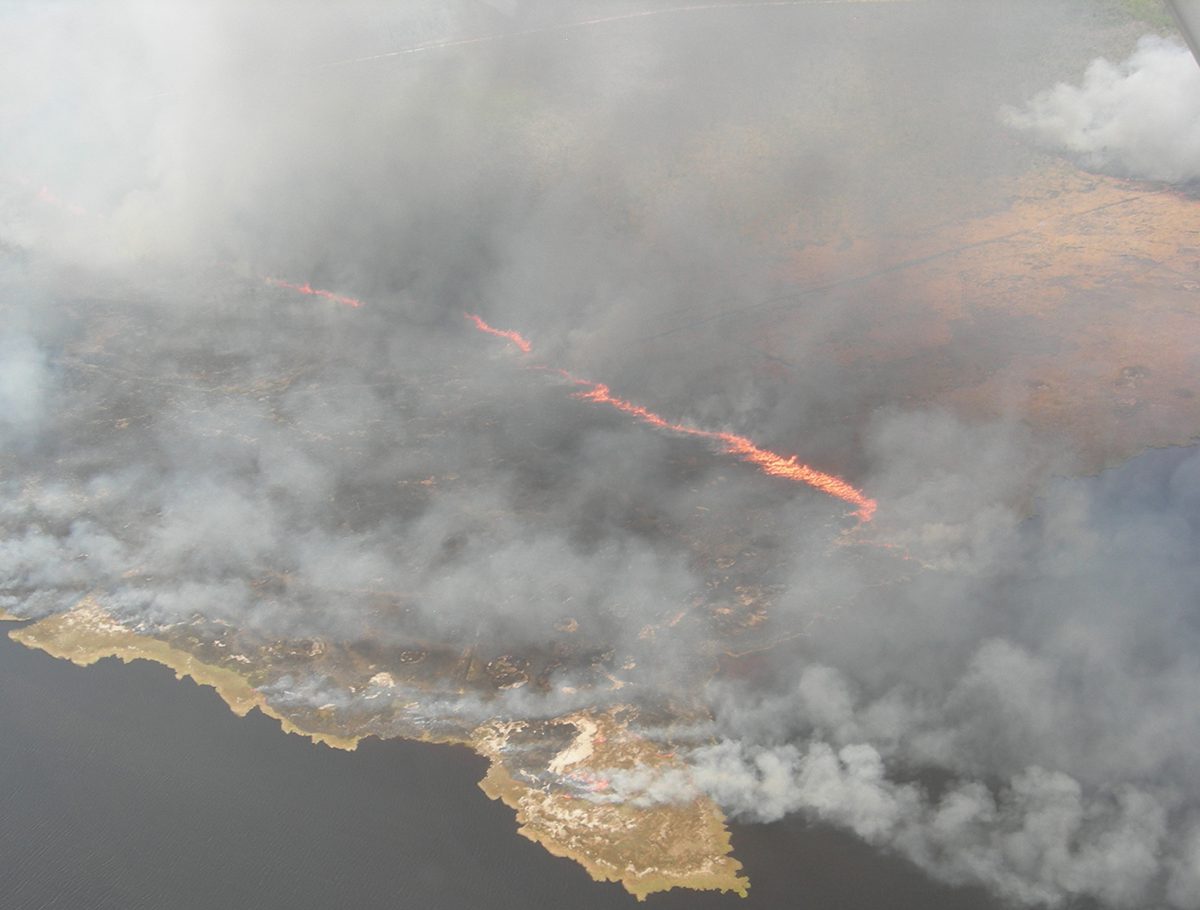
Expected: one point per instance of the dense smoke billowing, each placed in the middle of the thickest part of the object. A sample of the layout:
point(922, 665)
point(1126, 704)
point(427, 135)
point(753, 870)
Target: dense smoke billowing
point(1136, 118)
point(1049, 666)
point(181, 439)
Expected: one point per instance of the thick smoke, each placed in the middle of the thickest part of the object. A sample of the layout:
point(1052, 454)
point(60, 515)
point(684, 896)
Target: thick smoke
point(1003, 693)
point(1037, 840)
point(1136, 118)
point(24, 381)
point(1056, 696)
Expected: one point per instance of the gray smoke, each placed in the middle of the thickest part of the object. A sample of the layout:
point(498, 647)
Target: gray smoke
point(1051, 674)
point(1003, 693)
point(1136, 118)
point(1037, 840)
point(24, 388)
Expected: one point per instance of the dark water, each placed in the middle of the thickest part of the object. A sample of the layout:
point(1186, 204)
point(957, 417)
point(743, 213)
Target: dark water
point(123, 788)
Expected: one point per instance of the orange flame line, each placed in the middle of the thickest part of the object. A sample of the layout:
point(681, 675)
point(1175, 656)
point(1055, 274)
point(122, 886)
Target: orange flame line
point(515, 337)
point(307, 288)
point(44, 195)
point(770, 463)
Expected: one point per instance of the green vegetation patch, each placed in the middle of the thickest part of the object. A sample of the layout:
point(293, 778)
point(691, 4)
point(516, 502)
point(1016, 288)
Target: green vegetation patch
point(1152, 12)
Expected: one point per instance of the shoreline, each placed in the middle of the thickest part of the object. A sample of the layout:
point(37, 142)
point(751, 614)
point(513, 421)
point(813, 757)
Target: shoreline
point(87, 635)
point(241, 698)
point(499, 785)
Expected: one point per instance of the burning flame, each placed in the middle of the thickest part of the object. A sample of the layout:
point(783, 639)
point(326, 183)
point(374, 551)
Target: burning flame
point(770, 463)
point(307, 288)
point(44, 195)
point(515, 337)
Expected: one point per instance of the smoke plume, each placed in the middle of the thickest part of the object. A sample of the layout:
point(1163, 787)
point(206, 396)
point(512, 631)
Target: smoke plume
point(237, 241)
point(1055, 697)
point(1136, 118)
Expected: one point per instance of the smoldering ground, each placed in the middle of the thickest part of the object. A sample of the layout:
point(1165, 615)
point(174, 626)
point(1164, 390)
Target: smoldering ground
point(181, 439)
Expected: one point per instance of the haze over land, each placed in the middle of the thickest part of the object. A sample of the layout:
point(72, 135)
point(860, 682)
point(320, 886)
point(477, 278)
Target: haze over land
point(843, 231)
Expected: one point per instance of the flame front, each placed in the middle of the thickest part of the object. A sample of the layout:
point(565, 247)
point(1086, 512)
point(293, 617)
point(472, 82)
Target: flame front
point(770, 463)
point(307, 288)
point(48, 197)
point(515, 337)
point(765, 460)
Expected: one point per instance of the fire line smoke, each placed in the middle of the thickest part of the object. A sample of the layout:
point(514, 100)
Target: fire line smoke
point(180, 437)
point(769, 463)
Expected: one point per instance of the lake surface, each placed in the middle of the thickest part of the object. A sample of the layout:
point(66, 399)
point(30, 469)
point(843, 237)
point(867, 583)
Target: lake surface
point(123, 788)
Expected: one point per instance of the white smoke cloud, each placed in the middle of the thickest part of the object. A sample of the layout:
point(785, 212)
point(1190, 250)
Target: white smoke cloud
point(1137, 118)
point(1047, 688)
point(1037, 839)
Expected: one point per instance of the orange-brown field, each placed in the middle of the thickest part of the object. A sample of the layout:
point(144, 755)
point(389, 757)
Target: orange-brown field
point(1075, 308)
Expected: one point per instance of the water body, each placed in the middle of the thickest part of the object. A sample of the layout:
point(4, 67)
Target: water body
point(123, 788)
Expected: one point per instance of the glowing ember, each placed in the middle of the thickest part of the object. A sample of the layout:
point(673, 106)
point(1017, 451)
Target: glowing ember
point(44, 195)
point(771, 463)
point(307, 288)
point(515, 337)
